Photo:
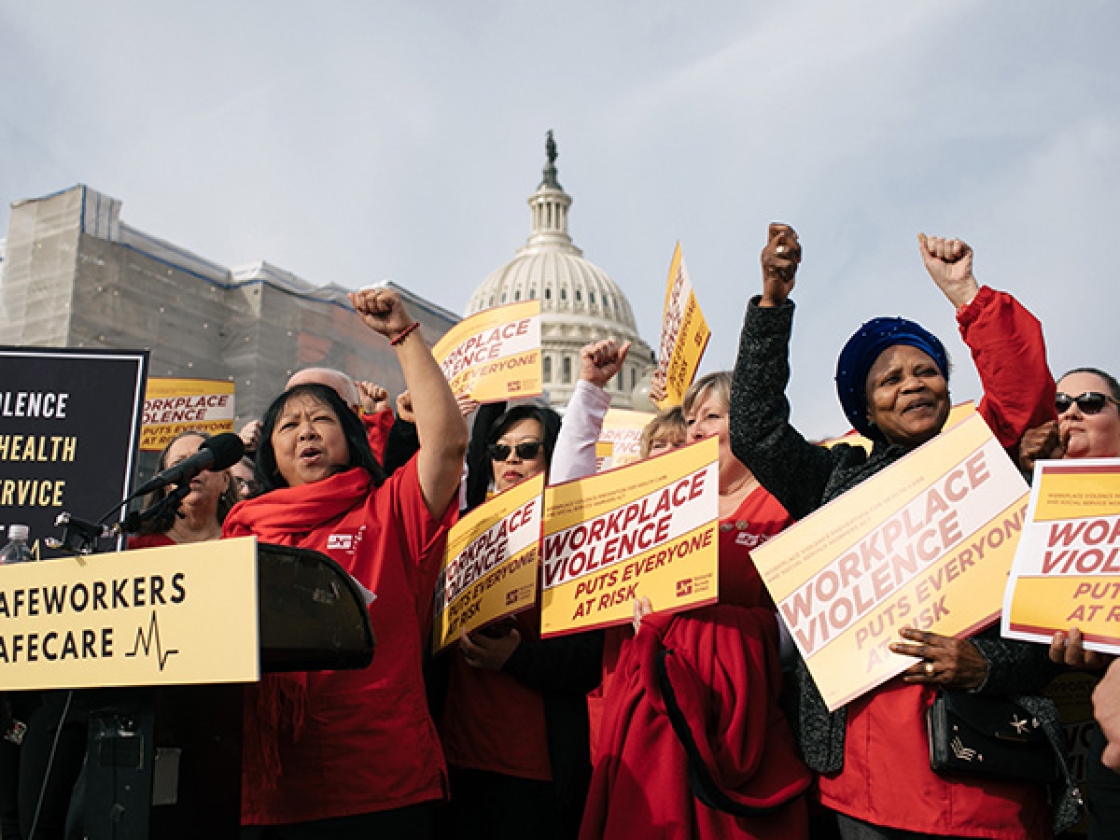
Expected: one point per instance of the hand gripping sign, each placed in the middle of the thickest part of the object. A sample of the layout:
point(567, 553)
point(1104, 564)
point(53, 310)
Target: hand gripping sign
point(648, 529)
point(495, 354)
point(684, 333)
point(1067, 569)
point(926, 543)
point(491, 563)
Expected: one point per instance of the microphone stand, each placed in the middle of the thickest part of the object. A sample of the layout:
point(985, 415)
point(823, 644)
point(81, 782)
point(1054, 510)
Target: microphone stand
point(117, 800)
point(168, 504)
point(80, 537)
point(125, 774)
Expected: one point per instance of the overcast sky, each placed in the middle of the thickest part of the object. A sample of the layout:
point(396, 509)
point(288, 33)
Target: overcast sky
point(352, 142)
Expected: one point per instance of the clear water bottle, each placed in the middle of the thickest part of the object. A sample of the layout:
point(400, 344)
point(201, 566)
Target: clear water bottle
point(17, 549)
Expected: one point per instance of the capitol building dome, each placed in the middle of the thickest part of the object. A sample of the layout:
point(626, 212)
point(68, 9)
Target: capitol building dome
point(579, 301)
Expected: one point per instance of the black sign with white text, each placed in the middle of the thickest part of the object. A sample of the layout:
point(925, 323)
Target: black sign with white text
point(69, 427)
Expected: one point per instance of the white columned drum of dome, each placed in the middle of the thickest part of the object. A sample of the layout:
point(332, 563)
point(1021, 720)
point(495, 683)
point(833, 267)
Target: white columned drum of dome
point(580, 303)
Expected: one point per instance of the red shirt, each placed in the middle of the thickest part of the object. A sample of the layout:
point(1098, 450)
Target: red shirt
point(150, 541)
point(760, 516)
point(886, 731)
point(492, 721)
point(366, 742)
point(377, 426)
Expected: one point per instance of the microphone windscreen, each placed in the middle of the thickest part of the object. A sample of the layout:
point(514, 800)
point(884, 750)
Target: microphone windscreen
point(228, 449)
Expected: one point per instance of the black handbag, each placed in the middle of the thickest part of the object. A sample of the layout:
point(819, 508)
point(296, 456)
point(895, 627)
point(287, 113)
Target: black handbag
point(992, 736)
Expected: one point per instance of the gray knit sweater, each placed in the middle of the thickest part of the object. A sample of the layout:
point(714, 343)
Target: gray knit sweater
point(804, 477)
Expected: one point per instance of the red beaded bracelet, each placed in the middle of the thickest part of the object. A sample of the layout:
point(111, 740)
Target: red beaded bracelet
point(403, 334)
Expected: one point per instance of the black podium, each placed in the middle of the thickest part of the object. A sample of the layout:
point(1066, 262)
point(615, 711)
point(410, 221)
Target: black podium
point(164, 762)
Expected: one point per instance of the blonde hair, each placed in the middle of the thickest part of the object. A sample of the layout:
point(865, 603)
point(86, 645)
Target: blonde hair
point(667, 421)
point(717, 384)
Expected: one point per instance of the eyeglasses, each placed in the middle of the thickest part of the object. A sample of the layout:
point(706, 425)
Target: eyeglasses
point(526, 450)
point(1091, 402)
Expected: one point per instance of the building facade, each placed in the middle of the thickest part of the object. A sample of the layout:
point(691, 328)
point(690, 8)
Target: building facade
point(74, 275)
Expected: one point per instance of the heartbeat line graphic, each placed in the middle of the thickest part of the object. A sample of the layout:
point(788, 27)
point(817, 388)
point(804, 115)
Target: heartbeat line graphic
point(147, 640)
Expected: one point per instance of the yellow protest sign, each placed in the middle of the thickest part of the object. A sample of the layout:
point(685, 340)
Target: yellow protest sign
point(604, 452)
point(1067, 569)
point(491, 563)
point(925, 543)
point(684, 333)
point(172, 406)
point(495, 354)
point(648, 529)
point(623, 430)
point(154, 616)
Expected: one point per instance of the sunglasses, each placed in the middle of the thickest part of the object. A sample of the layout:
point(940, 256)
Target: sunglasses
point(1091, 402)
point(526, 450)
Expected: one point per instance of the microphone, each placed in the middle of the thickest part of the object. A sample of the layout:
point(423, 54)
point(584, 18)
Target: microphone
point(217, 453)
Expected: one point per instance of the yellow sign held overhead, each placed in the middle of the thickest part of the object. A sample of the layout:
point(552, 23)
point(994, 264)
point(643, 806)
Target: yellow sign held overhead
point(495, 354)
point(684, 333)
point(172, 406)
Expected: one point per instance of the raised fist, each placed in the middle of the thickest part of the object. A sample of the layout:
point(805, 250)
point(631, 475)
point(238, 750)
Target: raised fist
point(949, 263)
point(600, 360)
point(382, 310)
point(780, 259)
point(374, 398)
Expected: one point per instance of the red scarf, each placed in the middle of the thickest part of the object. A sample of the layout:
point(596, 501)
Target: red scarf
point(287, 517)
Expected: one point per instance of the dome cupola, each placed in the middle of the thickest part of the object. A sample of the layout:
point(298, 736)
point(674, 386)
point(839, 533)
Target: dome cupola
point(579, 301)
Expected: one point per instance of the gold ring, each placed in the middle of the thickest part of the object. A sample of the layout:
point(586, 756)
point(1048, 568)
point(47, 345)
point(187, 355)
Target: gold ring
point(929, 669)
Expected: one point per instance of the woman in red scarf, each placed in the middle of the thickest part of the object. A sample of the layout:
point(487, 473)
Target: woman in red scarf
point(353, 753)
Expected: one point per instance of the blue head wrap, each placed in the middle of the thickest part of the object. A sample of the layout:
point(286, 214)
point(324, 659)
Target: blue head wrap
point(860, 353)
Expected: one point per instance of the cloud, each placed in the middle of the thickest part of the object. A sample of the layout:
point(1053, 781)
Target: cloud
point(353, 142)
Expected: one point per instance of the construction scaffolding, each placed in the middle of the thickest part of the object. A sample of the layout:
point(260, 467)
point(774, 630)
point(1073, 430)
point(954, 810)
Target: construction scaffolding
point(74, 275)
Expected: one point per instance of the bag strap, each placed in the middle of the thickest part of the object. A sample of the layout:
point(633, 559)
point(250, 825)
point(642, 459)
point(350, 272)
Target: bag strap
point(701, 781)
point(1071, 783)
